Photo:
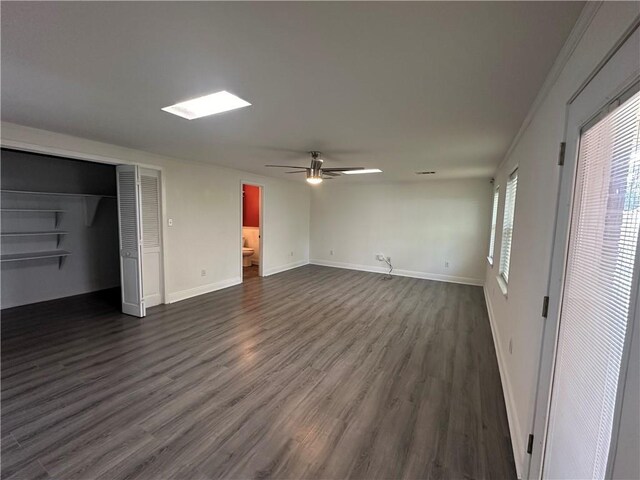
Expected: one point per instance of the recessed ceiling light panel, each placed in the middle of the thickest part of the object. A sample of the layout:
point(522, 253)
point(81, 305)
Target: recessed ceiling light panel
point(208, 105)
point(364, 170)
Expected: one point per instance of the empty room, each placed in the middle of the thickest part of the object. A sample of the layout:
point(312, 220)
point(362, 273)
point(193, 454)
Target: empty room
point(320, 240)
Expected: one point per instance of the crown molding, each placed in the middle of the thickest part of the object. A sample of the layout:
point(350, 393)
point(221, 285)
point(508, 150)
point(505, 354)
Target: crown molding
point(577, 32)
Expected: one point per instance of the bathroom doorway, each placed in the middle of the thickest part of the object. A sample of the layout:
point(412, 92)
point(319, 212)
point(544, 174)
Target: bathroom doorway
point(251, 217)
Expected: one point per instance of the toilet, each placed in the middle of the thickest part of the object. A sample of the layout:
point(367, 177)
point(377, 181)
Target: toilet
point(247, 253)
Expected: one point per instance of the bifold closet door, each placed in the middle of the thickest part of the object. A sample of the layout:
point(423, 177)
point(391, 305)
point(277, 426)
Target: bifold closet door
point(151, 237)
point(130, 223)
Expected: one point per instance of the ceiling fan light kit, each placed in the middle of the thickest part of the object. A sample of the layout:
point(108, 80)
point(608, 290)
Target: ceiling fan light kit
point(314, 180)
point(316, 174)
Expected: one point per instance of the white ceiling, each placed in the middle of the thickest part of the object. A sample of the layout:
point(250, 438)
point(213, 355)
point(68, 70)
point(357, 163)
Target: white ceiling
point(397, 86)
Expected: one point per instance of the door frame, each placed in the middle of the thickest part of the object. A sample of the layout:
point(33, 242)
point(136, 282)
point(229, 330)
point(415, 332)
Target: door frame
point(260, 228)
point(88, 157)
point(566, 186)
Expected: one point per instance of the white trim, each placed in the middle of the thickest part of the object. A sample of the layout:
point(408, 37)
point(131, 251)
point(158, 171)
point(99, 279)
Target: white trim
point(284, 268)
point(402, 273)
point(514, 427)
point(202, 289)
point(72, 154)
point(584, 20)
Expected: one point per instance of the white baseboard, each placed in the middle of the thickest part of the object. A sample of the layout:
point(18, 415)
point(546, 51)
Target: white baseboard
point(401, 273)
point(284, 268)
point(202, 289)
point(514, 426)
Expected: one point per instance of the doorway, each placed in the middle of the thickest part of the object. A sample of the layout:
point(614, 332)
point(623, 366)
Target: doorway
point(593, 289)
point(251, 217)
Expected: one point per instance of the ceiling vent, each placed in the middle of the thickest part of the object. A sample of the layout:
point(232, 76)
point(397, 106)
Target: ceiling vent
point(425, 173)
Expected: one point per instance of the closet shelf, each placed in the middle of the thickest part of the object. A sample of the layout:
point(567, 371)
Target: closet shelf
point(34, 234)
point(56, 211)
point(56, 194)
point(27, 210)
point(15, 257)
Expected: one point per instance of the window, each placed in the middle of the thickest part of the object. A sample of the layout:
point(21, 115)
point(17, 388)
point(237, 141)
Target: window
point(507, 225)
point(494, 218)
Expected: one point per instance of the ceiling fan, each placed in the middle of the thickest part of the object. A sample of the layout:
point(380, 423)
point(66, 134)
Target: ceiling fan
point(315, 173)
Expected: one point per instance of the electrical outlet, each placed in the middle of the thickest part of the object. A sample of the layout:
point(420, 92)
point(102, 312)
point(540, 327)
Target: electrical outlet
point(330, 252)
point(389, 259)
point(510, 346)
point(203, 273)
point(446, 264)
point(292, 253)
point(380, 257)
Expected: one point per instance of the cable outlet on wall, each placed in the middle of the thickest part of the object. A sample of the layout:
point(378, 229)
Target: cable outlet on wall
point(292, 253)
point(380, 257)
point(171, 222)
point(203, 273)
point(446, 264)
point(330, 252)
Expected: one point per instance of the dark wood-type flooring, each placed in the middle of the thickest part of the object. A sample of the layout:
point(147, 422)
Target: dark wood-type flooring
point(250, 272)
point(315, 373)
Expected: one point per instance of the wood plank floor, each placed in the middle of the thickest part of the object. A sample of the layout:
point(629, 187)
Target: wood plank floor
point(315, 373)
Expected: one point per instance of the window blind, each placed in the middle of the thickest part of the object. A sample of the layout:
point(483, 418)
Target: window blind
point(494, 219)
point(599, 279)
point(507, 225)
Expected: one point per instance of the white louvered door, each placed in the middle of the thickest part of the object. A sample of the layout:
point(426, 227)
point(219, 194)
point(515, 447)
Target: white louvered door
point(151, 237)
point(129, 220)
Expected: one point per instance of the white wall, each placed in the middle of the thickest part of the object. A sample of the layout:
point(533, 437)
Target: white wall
point(204, 202)
point(516, 317)
point(419, 225)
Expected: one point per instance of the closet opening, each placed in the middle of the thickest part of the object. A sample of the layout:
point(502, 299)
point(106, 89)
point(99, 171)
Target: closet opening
point(76, 232)
point(59, 230)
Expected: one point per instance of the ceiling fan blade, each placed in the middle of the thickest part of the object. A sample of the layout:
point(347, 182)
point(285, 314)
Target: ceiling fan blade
point(341, 169)
point(330, 174)
point(298, 171)
point(285, 166)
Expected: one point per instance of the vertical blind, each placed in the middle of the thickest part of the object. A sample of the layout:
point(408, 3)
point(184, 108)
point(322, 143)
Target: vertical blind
point(599, 279)
point(507, 225)
point(494, 219)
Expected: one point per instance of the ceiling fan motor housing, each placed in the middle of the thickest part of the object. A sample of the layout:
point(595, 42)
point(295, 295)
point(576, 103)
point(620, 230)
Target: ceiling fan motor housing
point(316, 165)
